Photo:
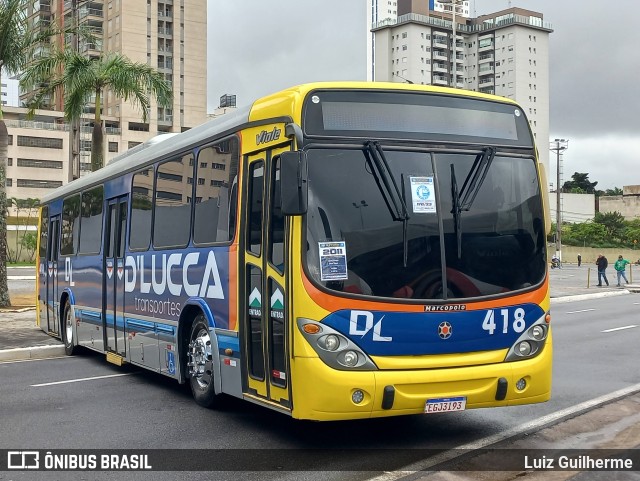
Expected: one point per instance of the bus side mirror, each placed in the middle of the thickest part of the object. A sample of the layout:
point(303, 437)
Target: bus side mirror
point(293, 182)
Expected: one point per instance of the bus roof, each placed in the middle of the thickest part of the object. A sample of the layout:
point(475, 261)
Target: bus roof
point(156, 148)
point(152, 150)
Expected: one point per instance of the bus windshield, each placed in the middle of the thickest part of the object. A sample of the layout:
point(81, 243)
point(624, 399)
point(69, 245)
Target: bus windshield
point(482, 238)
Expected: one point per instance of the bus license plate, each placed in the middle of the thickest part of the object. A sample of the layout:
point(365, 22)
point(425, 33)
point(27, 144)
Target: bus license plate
point(445, 405)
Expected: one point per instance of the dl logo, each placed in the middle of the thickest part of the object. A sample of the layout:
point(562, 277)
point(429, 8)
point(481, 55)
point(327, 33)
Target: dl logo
point(23, 460)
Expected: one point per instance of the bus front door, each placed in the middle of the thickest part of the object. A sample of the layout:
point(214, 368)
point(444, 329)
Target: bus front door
point(51, 273)
point(263, 292)
point(113, 278)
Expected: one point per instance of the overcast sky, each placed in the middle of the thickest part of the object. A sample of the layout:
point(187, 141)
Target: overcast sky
point(256, 47)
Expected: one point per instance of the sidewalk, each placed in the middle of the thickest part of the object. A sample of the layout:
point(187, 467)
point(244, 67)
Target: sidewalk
point(20, 338)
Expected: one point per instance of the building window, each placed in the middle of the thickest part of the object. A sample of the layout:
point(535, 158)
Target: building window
point(40, 164)
point(113, 146)
point(42, 142)
point(39, 184)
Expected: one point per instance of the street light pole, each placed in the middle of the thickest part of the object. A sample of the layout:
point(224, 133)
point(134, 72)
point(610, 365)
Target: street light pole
point(559, 146)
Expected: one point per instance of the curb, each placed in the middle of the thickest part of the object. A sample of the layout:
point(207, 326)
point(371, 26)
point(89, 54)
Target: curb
point(27, 353)
point(582, 297)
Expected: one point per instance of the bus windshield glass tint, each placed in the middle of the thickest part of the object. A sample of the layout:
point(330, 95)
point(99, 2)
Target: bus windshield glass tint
point(357, 244)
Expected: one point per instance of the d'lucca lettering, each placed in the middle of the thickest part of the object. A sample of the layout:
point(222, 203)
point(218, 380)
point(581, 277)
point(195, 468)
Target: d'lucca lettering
point(164, 270)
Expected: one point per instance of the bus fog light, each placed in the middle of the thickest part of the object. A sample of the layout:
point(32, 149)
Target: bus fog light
point(538, 332)
point(331, 342)
point(350, 358)
point(357, 396)
point(524, 348)
point(521, 384)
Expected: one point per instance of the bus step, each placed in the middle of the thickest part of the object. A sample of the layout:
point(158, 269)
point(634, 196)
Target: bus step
point(116, 359)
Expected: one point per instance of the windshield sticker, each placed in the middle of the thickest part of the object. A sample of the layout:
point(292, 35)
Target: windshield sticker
point(423, 195)
point(333, 261)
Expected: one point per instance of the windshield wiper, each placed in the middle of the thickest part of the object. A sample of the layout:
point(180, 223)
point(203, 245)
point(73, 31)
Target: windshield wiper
point(388, 185)
point(463, 199)
point(476, 177)
point(389, 190)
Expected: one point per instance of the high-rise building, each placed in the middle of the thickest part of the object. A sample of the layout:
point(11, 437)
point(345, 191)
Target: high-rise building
point(168, 35)
point(379, 11)
point(505, 53)
point(463, 7)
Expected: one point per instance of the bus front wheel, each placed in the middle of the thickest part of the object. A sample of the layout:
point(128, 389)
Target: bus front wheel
point(67, 330)
point(200, 364)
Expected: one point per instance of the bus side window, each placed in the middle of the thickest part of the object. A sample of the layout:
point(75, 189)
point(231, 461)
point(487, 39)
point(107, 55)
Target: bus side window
point(254, 215)
point(172, 206)
point(91, 219)
point(141, 201)
point(70, 231)
point(276, 224)
point(216, 173)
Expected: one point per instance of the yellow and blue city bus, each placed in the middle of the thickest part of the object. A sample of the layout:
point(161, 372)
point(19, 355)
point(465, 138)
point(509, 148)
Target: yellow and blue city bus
point(334, 251)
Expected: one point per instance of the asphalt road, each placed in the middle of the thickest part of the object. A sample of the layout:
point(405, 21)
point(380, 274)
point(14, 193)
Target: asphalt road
point(595, 351)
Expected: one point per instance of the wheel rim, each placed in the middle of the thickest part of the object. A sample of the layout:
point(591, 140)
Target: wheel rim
point(68, 328)
point(201, 362)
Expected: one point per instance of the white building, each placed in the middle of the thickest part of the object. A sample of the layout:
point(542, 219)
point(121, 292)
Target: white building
point(462, 7)
point(10, 92)
point(505, 53)
point(379, 10)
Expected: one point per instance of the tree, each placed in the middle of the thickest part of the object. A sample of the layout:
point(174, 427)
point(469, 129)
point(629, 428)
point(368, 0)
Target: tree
point(613, 222)
point(81, 78)
point(16, 41)
point(614, 191)
point(579, 181)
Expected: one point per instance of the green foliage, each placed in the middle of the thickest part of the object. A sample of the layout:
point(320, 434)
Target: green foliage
point(85, 78)
point(581, 182)
point(29, 242)
point(613, 222)
point(607, 230)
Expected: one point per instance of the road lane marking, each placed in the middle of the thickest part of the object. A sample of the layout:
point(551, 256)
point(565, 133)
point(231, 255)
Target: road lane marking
point(582, 310)
point(81, 380)
point(619, 328)
point(536, 425)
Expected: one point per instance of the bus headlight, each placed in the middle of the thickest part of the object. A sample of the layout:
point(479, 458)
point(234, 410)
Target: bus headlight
point(331, 342)
point(523, 348)
point(350, 359)
point(538, 332)
point(531, 342)
point(334, 348)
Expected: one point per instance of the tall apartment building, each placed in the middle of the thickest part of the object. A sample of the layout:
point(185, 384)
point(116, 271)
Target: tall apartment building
point(379, 10)
point(505, 53)
point(169, 35)
point(463, 7)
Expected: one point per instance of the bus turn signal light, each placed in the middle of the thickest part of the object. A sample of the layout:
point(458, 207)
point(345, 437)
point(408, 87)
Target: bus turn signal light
point(311, 328)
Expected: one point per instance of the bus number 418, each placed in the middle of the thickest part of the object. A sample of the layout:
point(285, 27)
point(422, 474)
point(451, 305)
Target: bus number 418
point(516, 322)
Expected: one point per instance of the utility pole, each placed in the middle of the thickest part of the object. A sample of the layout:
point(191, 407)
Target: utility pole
point(559, 146)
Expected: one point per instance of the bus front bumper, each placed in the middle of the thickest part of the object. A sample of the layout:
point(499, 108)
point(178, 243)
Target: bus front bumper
point(322, 393)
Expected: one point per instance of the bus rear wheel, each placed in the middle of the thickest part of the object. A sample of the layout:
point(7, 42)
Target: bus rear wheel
point(200, 364)
point(67, 330)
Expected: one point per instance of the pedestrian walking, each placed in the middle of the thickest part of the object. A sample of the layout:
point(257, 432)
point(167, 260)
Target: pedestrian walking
point(579, 260)
point(620, 266)
point(602, 263)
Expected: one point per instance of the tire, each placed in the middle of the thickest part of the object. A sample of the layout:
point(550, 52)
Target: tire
point(200, 364)
point(67, 330)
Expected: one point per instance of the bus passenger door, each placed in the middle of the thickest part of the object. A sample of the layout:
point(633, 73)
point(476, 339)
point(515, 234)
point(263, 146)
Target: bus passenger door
point(113, 278)
point(264, 297)
point(51, 271)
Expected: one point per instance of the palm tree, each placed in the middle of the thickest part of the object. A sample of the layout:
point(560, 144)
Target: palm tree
point(81, 78)
point(16, 41)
